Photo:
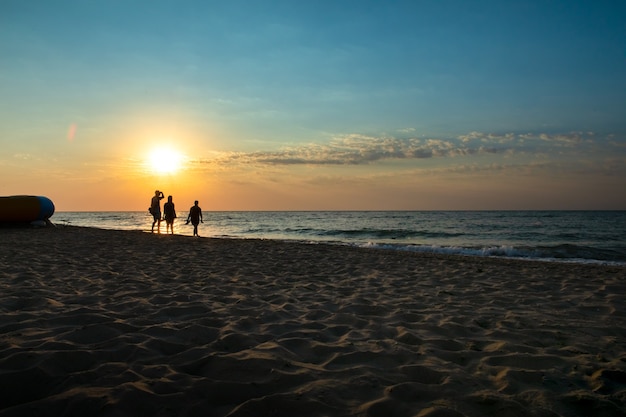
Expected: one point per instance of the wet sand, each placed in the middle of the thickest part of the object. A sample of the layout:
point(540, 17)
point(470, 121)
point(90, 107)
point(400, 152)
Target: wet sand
point(120, 323)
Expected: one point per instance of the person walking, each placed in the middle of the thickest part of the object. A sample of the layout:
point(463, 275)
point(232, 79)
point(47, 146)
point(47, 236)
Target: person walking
point(195, 216)
point(169, 214)
point(155, 209)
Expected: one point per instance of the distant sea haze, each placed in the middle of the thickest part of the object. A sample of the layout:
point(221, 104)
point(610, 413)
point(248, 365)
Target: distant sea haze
point(562, 236)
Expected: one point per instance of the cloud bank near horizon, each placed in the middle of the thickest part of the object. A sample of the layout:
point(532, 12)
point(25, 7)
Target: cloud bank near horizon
point(358, 149)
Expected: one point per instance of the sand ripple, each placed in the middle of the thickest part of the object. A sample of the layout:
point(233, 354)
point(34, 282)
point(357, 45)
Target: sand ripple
point(107, 323)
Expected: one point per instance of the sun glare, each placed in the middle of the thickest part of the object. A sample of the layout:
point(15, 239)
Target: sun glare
point(165, 160)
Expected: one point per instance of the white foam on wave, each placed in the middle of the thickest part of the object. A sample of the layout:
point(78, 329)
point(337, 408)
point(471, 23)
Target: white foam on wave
point(492, 252)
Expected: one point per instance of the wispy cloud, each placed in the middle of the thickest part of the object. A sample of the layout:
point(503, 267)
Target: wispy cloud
point(488, 137)
point(356, 149)
point(22, 156)
point(569, 139)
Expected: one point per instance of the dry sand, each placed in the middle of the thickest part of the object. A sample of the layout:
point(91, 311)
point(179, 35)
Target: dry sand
point(116, 323)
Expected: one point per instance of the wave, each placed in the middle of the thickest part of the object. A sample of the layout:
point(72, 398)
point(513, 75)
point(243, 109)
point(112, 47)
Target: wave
point(562, 253)
point(391, 234)
point(365, 233)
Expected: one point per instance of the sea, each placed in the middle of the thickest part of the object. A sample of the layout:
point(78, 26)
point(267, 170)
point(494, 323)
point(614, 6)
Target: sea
point(554, 236)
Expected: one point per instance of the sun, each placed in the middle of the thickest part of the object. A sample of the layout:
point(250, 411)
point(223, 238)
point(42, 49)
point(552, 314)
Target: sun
point(165, 160)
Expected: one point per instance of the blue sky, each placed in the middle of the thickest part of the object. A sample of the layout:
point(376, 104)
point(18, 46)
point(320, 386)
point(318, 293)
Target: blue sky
point(296, 103)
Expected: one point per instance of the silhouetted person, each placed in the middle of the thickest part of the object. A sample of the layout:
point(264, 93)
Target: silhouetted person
point(195, 215)
point(169, 214)
point(155, 209)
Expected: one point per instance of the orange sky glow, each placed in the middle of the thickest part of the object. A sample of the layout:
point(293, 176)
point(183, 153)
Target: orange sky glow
point(403, 106)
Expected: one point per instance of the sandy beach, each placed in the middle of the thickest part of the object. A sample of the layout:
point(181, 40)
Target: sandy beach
point(121, 323)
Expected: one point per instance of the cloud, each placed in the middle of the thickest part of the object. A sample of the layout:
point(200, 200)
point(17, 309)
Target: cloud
point(357, 149)
point(567, 139)
point(488, 137)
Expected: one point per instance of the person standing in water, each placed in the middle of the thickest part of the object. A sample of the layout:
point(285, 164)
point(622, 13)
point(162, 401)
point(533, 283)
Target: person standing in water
point(195, 216)
point(169, 214)
point(155, 209)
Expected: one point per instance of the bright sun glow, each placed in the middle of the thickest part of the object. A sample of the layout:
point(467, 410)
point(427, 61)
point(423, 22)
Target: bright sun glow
point(164, 160)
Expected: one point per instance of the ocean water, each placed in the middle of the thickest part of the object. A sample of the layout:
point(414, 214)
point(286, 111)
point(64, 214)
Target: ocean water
point(564, 236)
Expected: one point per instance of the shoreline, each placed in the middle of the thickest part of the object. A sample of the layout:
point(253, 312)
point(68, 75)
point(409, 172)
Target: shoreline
point(107, 322)
point(411, 249)
point(551, 237)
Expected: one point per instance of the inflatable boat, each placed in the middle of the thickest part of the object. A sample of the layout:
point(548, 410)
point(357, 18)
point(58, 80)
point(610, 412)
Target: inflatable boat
point(25, 208)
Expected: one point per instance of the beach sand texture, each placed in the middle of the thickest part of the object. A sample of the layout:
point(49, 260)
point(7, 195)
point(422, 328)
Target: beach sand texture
point(120, 323)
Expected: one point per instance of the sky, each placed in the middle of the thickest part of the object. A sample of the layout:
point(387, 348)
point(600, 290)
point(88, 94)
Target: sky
point(319, 105)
